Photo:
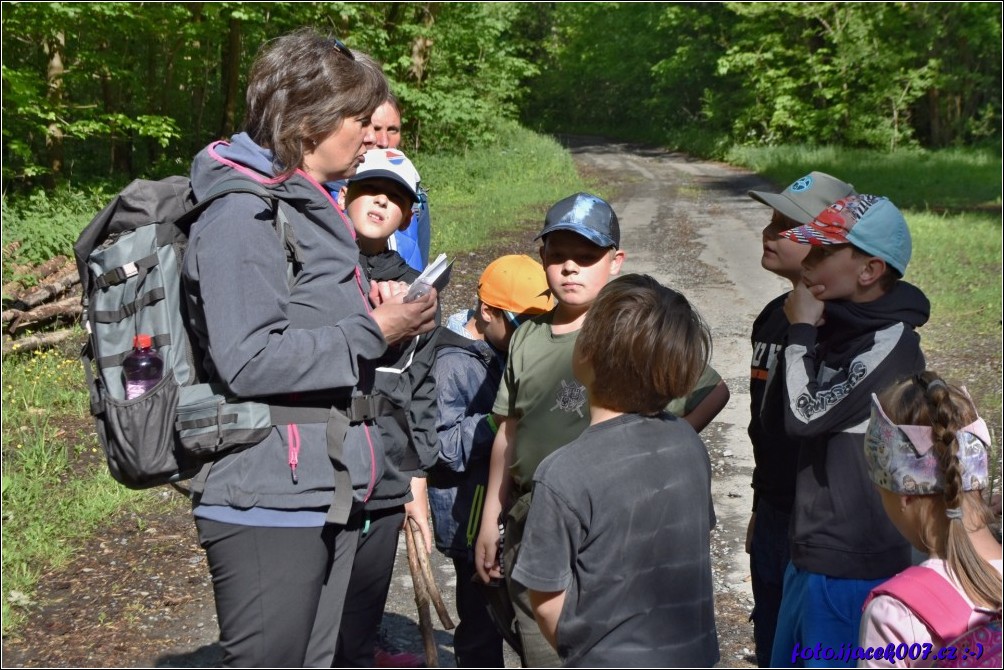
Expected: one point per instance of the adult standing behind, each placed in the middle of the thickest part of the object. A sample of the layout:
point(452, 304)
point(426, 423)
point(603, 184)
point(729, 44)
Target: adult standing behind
point(279, 568)
point(367, 589)
point(413, 242)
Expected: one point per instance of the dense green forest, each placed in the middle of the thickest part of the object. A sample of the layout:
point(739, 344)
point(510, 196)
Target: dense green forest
point(108, 91)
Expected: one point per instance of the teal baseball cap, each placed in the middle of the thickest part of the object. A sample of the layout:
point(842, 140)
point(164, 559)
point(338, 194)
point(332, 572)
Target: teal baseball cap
point(870, 222)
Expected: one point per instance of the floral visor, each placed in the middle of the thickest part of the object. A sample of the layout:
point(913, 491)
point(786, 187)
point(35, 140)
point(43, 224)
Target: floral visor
point(900, 458)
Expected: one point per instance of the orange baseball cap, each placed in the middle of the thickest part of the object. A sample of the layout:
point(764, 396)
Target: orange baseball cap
point(517, 285)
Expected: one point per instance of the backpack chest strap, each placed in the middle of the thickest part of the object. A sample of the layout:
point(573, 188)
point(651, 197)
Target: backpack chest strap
point(120, 274)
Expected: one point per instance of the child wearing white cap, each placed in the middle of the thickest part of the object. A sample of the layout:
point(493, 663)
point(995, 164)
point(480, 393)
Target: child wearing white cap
point(379, 201)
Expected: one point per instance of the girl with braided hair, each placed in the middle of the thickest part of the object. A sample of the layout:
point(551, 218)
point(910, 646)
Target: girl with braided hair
point(927, 452)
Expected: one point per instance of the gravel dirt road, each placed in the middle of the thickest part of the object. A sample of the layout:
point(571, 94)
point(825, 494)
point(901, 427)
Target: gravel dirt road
point(139, 595)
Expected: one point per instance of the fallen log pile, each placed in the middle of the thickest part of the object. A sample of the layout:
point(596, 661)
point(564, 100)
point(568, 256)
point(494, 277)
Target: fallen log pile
point(42, 314)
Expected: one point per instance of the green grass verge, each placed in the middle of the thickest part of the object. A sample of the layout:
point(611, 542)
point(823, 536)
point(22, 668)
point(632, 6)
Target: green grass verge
point(911, 178)
point(52, 494)
point(957, 263)
point(476, 195)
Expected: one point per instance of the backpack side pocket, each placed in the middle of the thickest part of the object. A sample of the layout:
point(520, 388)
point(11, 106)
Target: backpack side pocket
point(139, 438)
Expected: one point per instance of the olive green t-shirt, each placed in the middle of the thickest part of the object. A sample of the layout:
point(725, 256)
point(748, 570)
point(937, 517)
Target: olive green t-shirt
point(549, 404)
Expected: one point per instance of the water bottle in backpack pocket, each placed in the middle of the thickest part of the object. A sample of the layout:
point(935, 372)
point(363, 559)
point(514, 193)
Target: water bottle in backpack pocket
point(138, 437)
point(142, 369)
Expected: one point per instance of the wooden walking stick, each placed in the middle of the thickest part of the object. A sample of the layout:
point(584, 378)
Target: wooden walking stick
point(430, 580)
point(421, 600)
point(426, 591)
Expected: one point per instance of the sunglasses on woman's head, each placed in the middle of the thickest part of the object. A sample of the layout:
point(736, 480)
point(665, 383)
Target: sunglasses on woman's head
point(340, 47)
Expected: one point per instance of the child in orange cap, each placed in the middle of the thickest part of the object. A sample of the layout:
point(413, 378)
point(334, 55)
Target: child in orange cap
point(470, 360)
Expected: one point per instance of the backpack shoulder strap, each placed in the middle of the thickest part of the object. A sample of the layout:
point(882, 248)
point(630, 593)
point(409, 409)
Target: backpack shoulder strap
point(931, 597)
point(239, 184)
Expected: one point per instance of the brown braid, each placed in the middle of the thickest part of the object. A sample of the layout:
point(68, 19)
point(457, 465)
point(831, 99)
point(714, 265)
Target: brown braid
point(945, 420)
point(926, 400)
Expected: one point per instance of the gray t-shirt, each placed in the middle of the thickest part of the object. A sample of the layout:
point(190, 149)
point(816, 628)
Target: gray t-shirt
point(621, 521)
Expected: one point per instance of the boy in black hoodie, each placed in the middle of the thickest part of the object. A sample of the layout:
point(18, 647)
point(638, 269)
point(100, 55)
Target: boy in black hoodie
point(775, 454)
point(379, 200)
point(851, 334)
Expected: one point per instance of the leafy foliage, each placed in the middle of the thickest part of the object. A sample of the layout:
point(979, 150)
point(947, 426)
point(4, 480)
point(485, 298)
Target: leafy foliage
point(459, 72)
point(706, 76)
point(45, 225)
point(93, 89)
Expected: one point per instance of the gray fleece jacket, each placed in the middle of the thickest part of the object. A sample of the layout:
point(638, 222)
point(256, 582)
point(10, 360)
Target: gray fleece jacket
point(261, 337)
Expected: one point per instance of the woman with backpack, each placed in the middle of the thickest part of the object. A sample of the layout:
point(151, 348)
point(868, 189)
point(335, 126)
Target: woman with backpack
point(283, 314)
point(926, 449)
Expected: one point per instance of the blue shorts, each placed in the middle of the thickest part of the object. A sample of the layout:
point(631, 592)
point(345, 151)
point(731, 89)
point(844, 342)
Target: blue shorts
point(818, 612)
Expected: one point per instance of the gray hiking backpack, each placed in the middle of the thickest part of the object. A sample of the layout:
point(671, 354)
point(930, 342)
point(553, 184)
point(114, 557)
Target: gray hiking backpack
point(130, 258)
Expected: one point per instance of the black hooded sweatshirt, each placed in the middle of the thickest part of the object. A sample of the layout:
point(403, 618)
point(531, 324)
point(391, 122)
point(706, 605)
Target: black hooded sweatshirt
point(839, 527)
point(404, 374)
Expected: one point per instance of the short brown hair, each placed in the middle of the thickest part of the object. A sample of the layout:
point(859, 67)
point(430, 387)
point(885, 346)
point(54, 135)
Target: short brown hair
point(302, 87)
point(891, 275)
point(645, 344)
point(394, 102)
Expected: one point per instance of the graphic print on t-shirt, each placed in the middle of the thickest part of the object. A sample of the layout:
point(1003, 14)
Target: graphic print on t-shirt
point(764, 359)
point(571, 398)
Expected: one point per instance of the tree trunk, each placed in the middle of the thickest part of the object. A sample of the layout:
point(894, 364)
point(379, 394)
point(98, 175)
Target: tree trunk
point(231, 77)
point(421, 47)
point(37, 342)
point(934, 118)
point(154, 55)
point(68, 309)
point(54, 48)
point(107, 99)
point(198, 84)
